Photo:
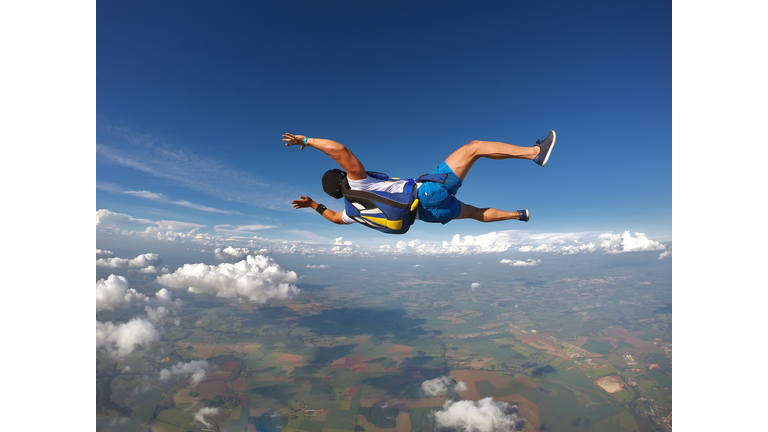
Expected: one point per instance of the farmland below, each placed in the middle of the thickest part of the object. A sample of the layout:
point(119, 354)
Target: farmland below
point(571, 346)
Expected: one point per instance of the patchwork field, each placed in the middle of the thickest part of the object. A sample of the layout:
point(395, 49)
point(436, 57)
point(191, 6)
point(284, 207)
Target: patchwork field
point(313, 363)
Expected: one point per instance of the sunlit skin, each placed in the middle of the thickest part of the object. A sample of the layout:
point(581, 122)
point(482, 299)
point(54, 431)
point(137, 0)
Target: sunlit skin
point(459, 161)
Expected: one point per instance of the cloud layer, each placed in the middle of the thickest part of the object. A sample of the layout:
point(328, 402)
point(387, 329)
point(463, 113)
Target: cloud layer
point(555, 243)
point(231, 242)
point(257, 278)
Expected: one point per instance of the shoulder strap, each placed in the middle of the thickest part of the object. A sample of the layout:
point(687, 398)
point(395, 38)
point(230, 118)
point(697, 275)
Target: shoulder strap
point(377, 175)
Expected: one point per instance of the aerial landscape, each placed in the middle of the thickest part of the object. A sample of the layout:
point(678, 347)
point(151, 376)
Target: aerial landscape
point(353, 341)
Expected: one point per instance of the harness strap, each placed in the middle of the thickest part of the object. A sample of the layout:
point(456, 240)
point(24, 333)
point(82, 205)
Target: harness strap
point(436, 178)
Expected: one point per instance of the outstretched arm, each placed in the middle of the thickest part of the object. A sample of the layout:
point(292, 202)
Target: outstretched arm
point(329, 214)
point(342, 155)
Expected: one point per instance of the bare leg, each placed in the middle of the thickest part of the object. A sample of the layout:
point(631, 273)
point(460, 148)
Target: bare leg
point(462, 159)
point(486, 214)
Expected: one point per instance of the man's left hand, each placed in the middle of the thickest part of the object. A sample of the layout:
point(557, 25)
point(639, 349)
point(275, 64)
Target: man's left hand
point(291, 140)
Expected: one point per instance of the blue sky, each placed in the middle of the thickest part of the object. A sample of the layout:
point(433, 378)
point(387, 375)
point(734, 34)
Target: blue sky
point(192, 99)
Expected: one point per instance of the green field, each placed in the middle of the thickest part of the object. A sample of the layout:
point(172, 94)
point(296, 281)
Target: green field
point(560, 408)
point(341, 419)
point(663, 380)
point(622, 421)
point(380, 417)
point(594, 346)
point(647, 384)
point(176, 417)
point(170, 428)
point(311, 426)
point(624, 396)
point(421, 419)
point(595, 373)
point(557, 361)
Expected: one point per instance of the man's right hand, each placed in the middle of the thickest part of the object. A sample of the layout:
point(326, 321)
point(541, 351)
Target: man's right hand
point(303, 202)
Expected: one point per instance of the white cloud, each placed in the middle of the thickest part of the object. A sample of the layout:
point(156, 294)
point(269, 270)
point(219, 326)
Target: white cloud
point(156, 314)
point(341, 242)
point(231, 253)
point(106, 218)
point(163, 298)
point(442, 385)
point(109, 187)
point(566, 243)
point(491, 242)
point(418, 265)
point(542, 248)
point(665, 254)
point(195, 368)
point(316, 266)
point(120, 340)
point(475, 285)
point(485, 415)
point(257, 278)
point(163, 304)
point(113, 292)
point(205, 412)
point(108, 259)
point(162, 198)
point(130, 226)
point(338, 250)
point(519, 263)
point(103, 254)
point(572, 249)
point(620, 243)
point(240, 230)
point(150, 269)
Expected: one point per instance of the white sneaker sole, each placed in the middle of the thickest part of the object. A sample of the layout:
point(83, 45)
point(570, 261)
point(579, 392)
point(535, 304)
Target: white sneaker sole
point(549, 152)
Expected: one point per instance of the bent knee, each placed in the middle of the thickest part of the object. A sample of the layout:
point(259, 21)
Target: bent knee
point(473, 146)
point(470, 212)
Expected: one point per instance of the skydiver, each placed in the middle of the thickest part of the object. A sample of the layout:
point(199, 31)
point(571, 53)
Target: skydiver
point(436, 200)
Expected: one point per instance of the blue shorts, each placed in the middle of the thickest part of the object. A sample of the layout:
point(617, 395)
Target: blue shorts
point(437, 202)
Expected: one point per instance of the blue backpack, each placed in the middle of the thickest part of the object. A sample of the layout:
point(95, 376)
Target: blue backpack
point(388, 212)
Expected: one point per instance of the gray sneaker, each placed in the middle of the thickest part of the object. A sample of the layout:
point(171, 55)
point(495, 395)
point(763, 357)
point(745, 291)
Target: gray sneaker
point(546, 147)
point(524, 215)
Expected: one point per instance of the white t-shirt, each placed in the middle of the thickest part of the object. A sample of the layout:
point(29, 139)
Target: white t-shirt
point(374, 184)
